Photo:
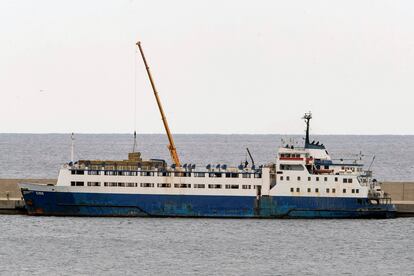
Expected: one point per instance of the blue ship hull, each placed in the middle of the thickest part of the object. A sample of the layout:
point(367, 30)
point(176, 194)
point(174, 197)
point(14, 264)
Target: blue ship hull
point(143, 205)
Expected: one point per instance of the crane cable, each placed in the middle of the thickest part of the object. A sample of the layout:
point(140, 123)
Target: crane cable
point(135, 100)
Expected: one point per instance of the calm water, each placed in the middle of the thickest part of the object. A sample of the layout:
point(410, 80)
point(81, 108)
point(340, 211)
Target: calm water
point(109, 246)
point(113, 246)
point(40, 156)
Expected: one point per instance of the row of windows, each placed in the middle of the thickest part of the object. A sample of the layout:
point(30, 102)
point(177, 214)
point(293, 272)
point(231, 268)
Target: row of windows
point(292, 167)
point(294, 155)
point(328, 190)
point(344, 180)
point(351, 169)
point(162, 185)
point(178, 174)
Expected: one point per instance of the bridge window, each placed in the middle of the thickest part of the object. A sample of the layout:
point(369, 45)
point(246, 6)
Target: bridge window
point(325, 179)
point(199, 186)
point(345, 180)
point(316, 190)
point(309, 178)
point(309, 190)
point(199, 174)
point(287, 178)
point(349, 180)
point(246, 187)
point(246, 175)
point(291, 167)
point(357, 191)
point(327, 190)
point(333, 190)
point(120, 184)
point(317, 178)
point(298, 178)
point(336, 179)
point(292, 190)
point(298, 190)
point(344, 191)
point(281, 178)
point(353, 191)
point(131, 184)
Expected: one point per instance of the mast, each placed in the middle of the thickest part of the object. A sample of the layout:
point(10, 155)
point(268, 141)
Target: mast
point(171, 146)
point(72, 148)
point(135, 141)
point(307, 117)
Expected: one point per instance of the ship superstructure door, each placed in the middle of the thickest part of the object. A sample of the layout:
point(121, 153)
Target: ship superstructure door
point(258, 191)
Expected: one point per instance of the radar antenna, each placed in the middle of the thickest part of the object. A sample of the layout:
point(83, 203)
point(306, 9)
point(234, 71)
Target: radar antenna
point(171, 146)
point(307, 117)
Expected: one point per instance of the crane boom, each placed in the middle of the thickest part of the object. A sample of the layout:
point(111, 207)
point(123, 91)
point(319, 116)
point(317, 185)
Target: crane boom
point(171, 146)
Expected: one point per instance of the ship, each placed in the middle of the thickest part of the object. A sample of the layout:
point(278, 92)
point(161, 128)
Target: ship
point(302, 182)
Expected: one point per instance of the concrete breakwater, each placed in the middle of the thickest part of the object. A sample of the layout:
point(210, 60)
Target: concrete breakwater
point(11, 201)
point(402, 195)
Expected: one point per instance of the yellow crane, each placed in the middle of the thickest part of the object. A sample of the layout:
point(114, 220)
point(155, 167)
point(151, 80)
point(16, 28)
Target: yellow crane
point(171, 146)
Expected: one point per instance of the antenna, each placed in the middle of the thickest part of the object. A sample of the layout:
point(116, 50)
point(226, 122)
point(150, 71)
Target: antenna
point(72, 148)
point(135, 141)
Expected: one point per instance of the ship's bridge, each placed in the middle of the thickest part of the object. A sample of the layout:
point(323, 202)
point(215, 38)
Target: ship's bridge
point(292, 154)
point(315, 160)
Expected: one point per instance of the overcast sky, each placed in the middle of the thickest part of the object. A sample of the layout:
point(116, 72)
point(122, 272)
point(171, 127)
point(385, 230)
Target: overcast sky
point(220, 66)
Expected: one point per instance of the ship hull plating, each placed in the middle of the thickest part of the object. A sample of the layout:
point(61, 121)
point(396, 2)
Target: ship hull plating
point(147, 205)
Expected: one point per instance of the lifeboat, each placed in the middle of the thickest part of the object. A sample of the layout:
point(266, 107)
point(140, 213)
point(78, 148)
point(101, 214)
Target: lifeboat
point(323, 171)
